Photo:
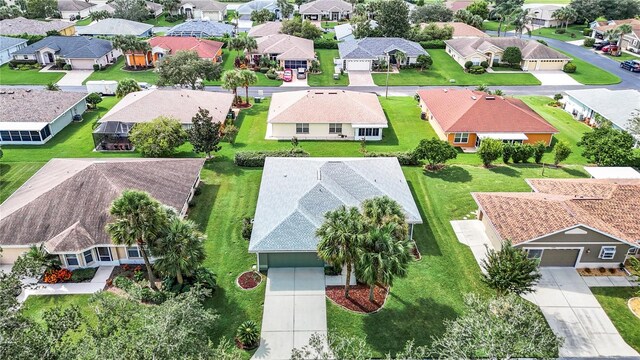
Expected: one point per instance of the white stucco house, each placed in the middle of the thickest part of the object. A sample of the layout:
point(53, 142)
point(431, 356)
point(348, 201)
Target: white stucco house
point(78, 51)
point(202, 10)
point(8, 46)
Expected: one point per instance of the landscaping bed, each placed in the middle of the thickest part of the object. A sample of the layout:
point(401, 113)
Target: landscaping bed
point(57, 276)
point(249, 280)
point(416, 252)
point(601, 272)
point(358, 300)
point(634, 306)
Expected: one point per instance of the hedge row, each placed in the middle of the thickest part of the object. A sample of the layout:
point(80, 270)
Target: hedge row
point(433, 44)
point(256, 158)
point(325, 44)
point(406, 158)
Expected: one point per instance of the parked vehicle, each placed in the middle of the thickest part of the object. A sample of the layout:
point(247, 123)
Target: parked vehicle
point(287, 75)
point(102, 87)
point(600, 45)
point(631, 65)
point(610, 49)
point(302, 73)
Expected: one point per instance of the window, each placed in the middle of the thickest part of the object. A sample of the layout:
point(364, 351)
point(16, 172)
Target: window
point(534, 254)
point(45, 132)
point(633, 251)
point(302, 128)
point(133, 252)
point(25, 57)
point(88, 257)
point(461, 138)
point(104, 254)
point(607, 252)
point(72, 260)
point(335, 128)
point(4, 136)
point(369, 132)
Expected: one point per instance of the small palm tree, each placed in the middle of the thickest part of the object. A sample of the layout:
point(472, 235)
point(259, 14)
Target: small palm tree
point(401, 58)
point(247, 78)
point(383, 210)
point(180, 251)
point(126, 86)
point(139, 220)
point(623, 30)
point(231, 81)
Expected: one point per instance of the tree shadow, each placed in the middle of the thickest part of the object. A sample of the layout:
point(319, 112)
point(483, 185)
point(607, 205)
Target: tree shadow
point(203, 204)
point(451, 173)
point(505, 170)
point(423, 234)
point(389, 136)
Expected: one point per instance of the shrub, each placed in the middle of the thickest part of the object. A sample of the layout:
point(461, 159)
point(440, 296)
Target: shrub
point(560, 31)
point(123, 283)
point(562, 150)
point(96, 67)
point(490, 150)
point(569, 68)
point(543, 42)
point(558, 97)
point(146, 295)
point(256, 158)
point(205, 278)
point(484, 64)
point(522, 152)
point(53, 276)
point(433, 44)
point(248, 334)
point(573, 35)
point(507, 151)
point(407, 158)
point(81, 275)
point(35, 66)
point(264, 70)
point(435, 151)
point(477, 70)
point(538, 151)
point(587, 32)
point(323, 43)
point(247, 227)
point(468, 65)
point(66, 67)
point(589, 42)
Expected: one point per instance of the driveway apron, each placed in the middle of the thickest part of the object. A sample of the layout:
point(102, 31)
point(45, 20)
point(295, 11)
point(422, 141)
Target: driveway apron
point(360, 78)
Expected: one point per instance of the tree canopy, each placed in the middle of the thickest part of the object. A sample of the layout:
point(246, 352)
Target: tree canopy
point(431, 12)
point(606, 146)
point(204, 134)
point(509, 270)
point(41, 8)
point(134, 10)
point(393, 18)
point(298, 27)
point(186, 68)
point(435, 151)
point(159, 137)
point(127, 86)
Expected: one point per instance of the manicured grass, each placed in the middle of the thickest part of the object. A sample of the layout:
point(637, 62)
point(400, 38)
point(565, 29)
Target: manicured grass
point(624, 57)
point(589, 74)
point(35, 306)
point(445, 68)
point(326, 56)
point(9, 76)
point(161, 21)
point(116, 72)
point(84, 22)
point(228, 58)
point(329, 24)
point(12, 175)
point(550, 32)
point(493, 26)
point(614, 301)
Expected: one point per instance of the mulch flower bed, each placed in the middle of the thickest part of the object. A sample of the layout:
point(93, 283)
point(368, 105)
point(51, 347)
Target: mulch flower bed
point(249, 280)
point(634, 305)
point(416, 253)
point(601, 272)
point(358, 300)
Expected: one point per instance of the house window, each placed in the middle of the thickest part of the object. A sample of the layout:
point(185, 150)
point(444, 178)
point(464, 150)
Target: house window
point(302, 128)
point(607, 252)
point(88, 257)
point(534, 254)
point(25, 57)
point(461, 138)
point(335, 128)
point(633, 251)
point(104, 254)
point(133, 252)
point(71, 259)
point(368, 132)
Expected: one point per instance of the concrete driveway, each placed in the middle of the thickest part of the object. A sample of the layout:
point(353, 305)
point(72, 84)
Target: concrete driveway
point(552, 77)
point(575, 314)
point(360, 78)
point(294, 309)
point(74, 77)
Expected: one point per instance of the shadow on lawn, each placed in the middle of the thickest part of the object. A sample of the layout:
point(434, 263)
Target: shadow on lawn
point(505, 170)
point(450, 173)
point(423, 234)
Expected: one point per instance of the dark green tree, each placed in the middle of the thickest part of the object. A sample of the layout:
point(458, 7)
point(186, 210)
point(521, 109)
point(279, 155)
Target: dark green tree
point(179, 252)
point(480, 8)
point(538, 151)
point(490, 150)
point(512, 56)
point(431, 12)
point(606, 146)
point(509, 270)
point(262, 16)
point(561, 152)
point(159, 137)
point(424, 61)
point(204, 134)
point(41, 9)
point(127, 86)
point(186, 68)
point(134, 10)
point(93, 100)
point(393, 18)
point(435, 151)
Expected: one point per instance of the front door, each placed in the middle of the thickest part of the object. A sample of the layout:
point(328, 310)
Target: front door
point(104, 254)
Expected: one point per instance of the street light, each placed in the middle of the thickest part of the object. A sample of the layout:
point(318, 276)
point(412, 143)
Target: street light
point(386, 90)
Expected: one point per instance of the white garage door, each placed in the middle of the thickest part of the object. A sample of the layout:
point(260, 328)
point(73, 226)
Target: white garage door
point(358, 65)
point(82, 64)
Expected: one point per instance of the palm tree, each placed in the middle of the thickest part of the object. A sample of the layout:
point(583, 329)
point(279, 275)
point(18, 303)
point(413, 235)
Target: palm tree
point(504, 12)
point(180, 251)
point(571, 15)
point(139, 220)
point(623, 30)
point(129, 45)
point(340, 236)
point(401, 58)
point(231, 81)
point(126, 86)
point(250, 44)
point(383, 210)
point(522, 18)
point(560, 15)
point(247, 78)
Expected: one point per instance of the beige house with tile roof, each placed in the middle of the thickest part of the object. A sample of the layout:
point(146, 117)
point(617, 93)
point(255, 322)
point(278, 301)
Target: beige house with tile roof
point(460, 30)
point(334, 10)
point(325, 114)
point(291, 52)
point(567, 222)
point(266, 29)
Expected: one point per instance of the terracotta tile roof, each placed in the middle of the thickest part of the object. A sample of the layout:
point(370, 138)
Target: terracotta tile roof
point(531, 49)
point(457, 5)
point(268, 28)
point(463, 110)
point(607, 205)
point(206, 49)
point(460, 29)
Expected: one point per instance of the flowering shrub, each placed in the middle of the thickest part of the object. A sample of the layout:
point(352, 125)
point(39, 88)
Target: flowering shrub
point(53, 276)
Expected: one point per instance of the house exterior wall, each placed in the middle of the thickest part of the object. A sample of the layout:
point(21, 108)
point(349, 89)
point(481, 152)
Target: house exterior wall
point(9, 255)
point(470, 143)
point(527, 65)
point(316, 131)
point(579, 110)
point(6, 54)
point(534, 138)
point(68, 31)
point(543, 64)
point(83, 13)
point(493, 236)
point(65, 119)
point(434, 124)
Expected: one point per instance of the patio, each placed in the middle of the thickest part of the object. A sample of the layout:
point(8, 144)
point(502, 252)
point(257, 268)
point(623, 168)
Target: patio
point(112, 136)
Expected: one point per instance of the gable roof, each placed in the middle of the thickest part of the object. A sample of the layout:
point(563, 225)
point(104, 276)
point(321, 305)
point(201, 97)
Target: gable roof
point(66, 203)
point(344, 32)
point(295, 193)
point(20, 25)
point(74, 5)
point(257, 5)
point(374, 47)
point(113, 26)
point(181, 104)
point(200, 28)
point(323, 6)
point(334, 106)
point(460, 29)
point(206, 5)
point(9, 42)
point(464, 110)
point(600, 100)
point(24, 105)
point(287, 47)
point(206, 49)
point(266, 29)
point(544, 12)
point(559, 204)
point(71, 47)
point(531, 49)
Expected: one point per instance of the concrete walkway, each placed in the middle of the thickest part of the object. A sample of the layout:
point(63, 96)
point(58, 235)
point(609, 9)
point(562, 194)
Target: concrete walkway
point(294, 309)
point(471, 233)
point(608, 281)
point(96, 284)
point(575, 314)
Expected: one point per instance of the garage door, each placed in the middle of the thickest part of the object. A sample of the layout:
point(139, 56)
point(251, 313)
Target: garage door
point(559, 257)
point(294, 260)
point(82, 64)
point(358, 65)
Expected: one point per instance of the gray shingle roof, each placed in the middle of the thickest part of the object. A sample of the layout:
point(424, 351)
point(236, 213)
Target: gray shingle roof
point(374, 47)
point(21, 25)
point(200, 28)
point(73, 5)
point(71, 47)
point(257, 5)
point(206, 5)
point(531, 49)
point(9, 42)
point(296, 193)
point(324, 6)
point(615, 105)
point(113, 26)
point(22, 105)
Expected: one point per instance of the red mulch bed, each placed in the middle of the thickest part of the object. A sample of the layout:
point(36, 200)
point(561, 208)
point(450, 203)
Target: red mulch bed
point(358, 300)
point(249, 280)
point(416, 253)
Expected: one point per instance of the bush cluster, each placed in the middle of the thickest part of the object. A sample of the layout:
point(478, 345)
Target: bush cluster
point(256, 158)
point(433, 44)
point(407, 158)
point(202, 277)
point(587, 32)
point(323, 43)
point(569, 67)
point(560, 31)
point(589, 42)
point(139, 292)
point(477, 70)
point(80, 275)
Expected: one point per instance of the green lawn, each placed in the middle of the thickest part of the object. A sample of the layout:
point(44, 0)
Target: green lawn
point(329, 24)
point(161, 21)
point(35, 306)
point(576, 30)
point(326, 56)
point(445, 68)
point(493, 26)
point(117, 73)
point(589, 74)
point(84, 22)
point(614, 302)
point(9, 76)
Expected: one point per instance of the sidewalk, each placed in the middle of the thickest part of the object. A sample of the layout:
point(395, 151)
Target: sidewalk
point(97, 284)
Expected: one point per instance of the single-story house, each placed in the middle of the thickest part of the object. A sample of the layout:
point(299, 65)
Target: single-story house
point(162, 46)
point(465, 117)
point(9, 45)
point(460, 30)
point(335, 10)
point(113, 27)
point(617, 106)
point(566, 222)
point(75, 9)
point(542, 15)
point(265, 29)
point(33, 117)
point(202, 9)
point(20, 26)
point(362, 53)
point(245, 10)
point(201, 29)
point(535, 56)
point(344, 32)
point(612, 172)
point(342, 114)
point(295, 193)
point(291, 52)
point(65, 206)
point(143, 106)
point(155, 9)
point(78, 51)
point(630, 41)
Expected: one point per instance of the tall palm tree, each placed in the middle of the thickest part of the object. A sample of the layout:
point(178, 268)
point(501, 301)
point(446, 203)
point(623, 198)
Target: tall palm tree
point(130, 44)
point(340, 236)
point(250, 44)
point(521, 22)
point(383, 210)
point(231, 81)
point(560, 15)
point(247, 78)
point(571, 15)
point(139, 220)
point(180, 251)
point(504, 12)
point(623, 30)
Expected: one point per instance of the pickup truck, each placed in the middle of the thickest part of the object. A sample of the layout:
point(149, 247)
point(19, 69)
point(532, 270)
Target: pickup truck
point(631, 65)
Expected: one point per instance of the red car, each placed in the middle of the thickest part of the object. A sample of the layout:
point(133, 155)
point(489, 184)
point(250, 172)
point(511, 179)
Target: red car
point(287, 75)
point(610, 48)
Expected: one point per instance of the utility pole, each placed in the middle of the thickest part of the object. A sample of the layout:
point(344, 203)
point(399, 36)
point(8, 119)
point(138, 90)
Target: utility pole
point(386, 90)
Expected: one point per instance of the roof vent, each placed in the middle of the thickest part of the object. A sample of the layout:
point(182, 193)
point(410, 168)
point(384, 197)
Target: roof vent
point(474, 98)
point(319, 175)
point(490, 97)
point(446, 90)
